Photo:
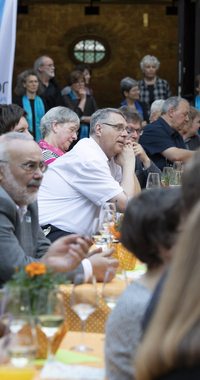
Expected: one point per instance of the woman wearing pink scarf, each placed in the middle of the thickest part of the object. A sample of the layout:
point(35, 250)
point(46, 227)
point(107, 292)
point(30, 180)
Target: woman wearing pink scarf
point(59, 128)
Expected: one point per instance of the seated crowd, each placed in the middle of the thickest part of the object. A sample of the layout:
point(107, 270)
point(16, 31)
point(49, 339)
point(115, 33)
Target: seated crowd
point(94, 156)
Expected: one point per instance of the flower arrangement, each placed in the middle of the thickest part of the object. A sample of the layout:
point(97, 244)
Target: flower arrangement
point(116, 228)
point(34, 277)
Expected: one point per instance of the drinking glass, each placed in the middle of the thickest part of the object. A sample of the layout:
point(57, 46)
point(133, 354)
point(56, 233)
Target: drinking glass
point(108, 206)
point(165, 175)
point(15, 310)
point(18, 345)
point(175, 179)
point(101, 230)
point(83, 304)
point(50, 315)
point(153, 180)
point(111, 293)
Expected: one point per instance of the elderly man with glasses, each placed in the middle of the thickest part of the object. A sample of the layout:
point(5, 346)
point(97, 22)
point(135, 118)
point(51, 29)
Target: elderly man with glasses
point(143, 164)
point(22, 239)
point(44, 66)
point(97, 170)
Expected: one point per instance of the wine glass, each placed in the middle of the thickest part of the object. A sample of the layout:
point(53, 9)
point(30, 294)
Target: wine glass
point(175, 179)
point(111, 293)
point(153, 180)
point(15, 310)
point(108, 206)
point(18, 345)
point(101, 230)
point(83, 303)
point(50, 315)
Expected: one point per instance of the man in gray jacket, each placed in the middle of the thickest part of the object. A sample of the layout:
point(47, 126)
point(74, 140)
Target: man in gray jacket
point(21, 239)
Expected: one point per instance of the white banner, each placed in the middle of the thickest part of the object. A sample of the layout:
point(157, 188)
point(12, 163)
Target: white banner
point(8, 21)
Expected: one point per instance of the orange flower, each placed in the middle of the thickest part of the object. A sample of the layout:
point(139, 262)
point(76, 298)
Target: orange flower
point(117, 234)
point(35, 268)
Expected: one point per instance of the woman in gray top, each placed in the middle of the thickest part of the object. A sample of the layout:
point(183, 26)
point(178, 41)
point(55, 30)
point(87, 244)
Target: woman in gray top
point(149, 229)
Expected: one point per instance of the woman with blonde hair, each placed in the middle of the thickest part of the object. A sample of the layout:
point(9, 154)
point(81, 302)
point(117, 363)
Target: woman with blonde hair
point(170, 349)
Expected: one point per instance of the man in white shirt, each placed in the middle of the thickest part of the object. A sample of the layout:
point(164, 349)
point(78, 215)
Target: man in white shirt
point(97, 170)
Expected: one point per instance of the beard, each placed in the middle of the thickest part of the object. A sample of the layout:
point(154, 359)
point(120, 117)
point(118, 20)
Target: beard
point(19, 194)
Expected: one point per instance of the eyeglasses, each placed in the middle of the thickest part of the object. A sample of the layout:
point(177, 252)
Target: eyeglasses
point(31, 167)
point(122, 129)
point(133, 130)
point(49, 65)
point(119, 128)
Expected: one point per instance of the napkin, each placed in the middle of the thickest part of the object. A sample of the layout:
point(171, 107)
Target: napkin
point(57, 370)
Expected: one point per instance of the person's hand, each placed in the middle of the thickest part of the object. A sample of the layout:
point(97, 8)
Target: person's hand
point(126, 157)
point(139, 151)
point(66, 253)
point(82, 93)
point(101, 261)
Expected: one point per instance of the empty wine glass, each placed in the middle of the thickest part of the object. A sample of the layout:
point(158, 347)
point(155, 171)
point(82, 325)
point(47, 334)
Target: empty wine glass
point(50, 315)
point(111, 293)
point(175, 179)
point(153, 180)
point(15, 310)
point(83, 303)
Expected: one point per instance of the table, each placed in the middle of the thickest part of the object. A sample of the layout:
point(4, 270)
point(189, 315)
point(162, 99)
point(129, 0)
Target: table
point(93, 340)
point(96, 321)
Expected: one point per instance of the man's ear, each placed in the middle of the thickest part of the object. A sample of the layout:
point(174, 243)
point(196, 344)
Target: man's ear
point(98, 129)
point(39, 69)
point(171, 112)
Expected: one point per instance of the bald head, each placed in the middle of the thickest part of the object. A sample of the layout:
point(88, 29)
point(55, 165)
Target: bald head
point(20, 167)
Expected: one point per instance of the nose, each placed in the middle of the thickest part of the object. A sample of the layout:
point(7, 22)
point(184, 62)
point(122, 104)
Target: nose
point(74, 136)
point(187, 118)
point(124, 133)
point(38, 174)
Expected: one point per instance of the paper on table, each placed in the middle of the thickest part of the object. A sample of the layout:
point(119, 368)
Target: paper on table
point(71, 357)
point(59, 370)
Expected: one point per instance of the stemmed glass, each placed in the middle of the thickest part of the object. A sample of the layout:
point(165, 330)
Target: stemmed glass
point(101, 230)
point(19, 343)
point(153, 180)
point(50, 315)
point(111, 293)
point(83, 303)
point(175, 179)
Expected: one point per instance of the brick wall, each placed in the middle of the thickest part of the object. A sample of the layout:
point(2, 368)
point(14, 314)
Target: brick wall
point(49, 29)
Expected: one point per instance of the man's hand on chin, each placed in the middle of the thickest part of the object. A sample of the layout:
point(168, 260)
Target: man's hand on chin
point(66, 253)
point(101, 262)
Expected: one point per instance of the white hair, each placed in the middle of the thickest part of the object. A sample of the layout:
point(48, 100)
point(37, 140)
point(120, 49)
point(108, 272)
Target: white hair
point(57, 115)
point(149, 59)
point(156, 107)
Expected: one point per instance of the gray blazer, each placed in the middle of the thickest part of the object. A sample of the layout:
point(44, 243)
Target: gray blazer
point(21, 242)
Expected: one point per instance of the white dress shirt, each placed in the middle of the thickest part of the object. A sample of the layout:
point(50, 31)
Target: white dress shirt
point(76, 185)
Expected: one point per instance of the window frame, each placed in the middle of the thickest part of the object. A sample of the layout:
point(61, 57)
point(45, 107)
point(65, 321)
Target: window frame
point(89, 37)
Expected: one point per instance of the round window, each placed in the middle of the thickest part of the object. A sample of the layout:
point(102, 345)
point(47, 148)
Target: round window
point(89, 50)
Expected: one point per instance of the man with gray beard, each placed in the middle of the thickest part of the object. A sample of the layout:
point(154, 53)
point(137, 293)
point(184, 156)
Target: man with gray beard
point(21, 239)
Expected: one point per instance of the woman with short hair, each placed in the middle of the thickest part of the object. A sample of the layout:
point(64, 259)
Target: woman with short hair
point(59, 128)
point(84, 105)
point(130, 91)
point(28, 90)
point(170, 348)
point(13, 119)
point(151, 86)
point(149, 230)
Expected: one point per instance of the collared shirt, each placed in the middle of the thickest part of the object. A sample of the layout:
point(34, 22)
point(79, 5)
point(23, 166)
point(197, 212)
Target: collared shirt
point(76, 185)
point(157, 137)
point(22, 211)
